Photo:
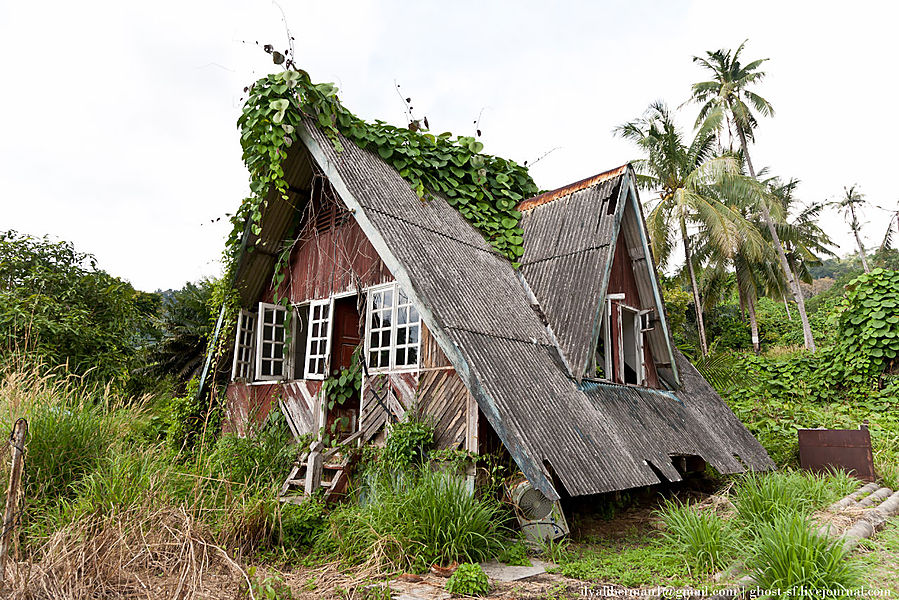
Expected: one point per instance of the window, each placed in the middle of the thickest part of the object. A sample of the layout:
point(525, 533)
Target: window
point(393, 328)
point(620, 355)
point(318, 343)
point(244, 345)
point(271, 355)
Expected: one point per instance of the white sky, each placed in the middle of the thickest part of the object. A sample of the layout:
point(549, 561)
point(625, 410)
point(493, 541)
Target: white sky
point(119, 117)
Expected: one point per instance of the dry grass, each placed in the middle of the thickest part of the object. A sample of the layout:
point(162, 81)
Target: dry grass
point(135, 554)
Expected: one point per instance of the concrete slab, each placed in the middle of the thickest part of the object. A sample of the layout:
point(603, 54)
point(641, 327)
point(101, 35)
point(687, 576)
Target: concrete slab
point(498, 571)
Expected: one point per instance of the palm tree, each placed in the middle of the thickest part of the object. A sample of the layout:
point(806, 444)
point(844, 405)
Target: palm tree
point(684, 175)
point(852, 199)
point(728, 91)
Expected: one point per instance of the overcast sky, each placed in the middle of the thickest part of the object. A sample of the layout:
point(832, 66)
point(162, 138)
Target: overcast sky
point(119, 118)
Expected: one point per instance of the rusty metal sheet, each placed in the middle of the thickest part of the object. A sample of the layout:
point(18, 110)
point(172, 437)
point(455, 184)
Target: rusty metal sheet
point(847, 449)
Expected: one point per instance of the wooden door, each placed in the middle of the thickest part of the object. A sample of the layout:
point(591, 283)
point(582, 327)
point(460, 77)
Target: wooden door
point(345, 338)
point(345, 333)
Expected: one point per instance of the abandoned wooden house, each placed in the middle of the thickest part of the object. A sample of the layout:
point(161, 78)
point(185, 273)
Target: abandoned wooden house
point(567, 362)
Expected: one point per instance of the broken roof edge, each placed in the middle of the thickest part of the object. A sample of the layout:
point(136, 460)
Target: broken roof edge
point(570, 188)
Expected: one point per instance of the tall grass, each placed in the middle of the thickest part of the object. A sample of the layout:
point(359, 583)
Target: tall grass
point(704, 539)
point(790, 556)
point(763, 497)
point(415, 522)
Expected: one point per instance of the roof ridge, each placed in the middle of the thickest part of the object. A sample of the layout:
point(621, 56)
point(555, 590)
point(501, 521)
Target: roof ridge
point(571, 188)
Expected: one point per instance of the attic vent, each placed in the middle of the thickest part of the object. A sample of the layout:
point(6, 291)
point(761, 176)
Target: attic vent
point(330, 215)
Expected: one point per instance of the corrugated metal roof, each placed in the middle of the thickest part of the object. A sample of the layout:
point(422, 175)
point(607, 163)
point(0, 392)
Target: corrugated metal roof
point(598, 439)
point(567, 244)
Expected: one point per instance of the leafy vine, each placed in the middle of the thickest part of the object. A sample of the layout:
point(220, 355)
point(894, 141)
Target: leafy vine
point(484, 189)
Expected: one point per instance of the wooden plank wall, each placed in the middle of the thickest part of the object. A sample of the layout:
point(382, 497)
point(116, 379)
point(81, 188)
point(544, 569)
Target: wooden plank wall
point(436, 392)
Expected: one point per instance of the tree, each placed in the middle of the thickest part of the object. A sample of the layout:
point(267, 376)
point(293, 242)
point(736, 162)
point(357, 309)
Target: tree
point(184, 323)
point(853, 199)
point(684, 176)
point(728, 91)
point(58, 308)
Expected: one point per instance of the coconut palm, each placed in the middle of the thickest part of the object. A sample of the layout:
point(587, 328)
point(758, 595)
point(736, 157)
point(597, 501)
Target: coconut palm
point(683, 175)
point(728, 91)
point(852, 200)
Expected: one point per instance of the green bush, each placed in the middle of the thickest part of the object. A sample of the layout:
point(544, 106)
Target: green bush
point(790, 556)
point(261, 459)
point(408, 443)
point(705, 538)
point(121, 481)
point(302, 524)
point(469, 579)
point(515, 555)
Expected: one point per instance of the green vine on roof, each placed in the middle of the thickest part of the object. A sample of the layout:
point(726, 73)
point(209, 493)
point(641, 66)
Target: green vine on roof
point(484, 189)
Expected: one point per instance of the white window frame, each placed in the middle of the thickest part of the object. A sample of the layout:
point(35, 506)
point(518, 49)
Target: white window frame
point(328, 325)
point(393, 347)
point(641, 321)
point(284, 359)
point(244, 361)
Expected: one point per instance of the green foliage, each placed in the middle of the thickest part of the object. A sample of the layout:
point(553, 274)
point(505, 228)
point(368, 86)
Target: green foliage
point(468, 579)
point(343, 384)
point(267, 587)
point(191, 421)
point(408, 443)
point(515, 555)
point(630, 562)
point(415, 522)
point(868, 322)
point(485, 189)
point(791, 557)
point(259, 459)
point(57, 308)
point(68, 438)
point(302, 524)
point(704, 539)
point(184, 324)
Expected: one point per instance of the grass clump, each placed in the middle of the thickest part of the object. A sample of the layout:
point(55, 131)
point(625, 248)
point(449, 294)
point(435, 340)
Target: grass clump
point(763, 497)
point(792, 557)
point(469, 579)
point(413, 522)
point(703, 538)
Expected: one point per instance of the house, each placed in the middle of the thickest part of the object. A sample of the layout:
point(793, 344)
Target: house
point(566, 362)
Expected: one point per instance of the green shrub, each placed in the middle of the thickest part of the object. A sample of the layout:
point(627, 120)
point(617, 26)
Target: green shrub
point(67, 439)
point(515, 555)
point(261, 459)
point(790, 556)
point(704, 537)
point(469, 579)
point(123, 480)
point(302, 524)
point(408, 443)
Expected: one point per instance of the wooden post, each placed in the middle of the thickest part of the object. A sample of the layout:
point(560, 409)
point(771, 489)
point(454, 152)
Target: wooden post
point(20, 430)
point(314, 468)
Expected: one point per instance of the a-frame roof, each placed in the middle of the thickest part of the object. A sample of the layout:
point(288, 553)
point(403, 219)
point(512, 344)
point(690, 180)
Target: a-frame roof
point(587, 439)
point(570, 237)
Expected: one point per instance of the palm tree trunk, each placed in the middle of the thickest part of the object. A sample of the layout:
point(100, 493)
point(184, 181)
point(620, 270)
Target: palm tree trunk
point(704, 347)
point(858, 239)
point(753, 324)
point(787, 306)
point(788, 273)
